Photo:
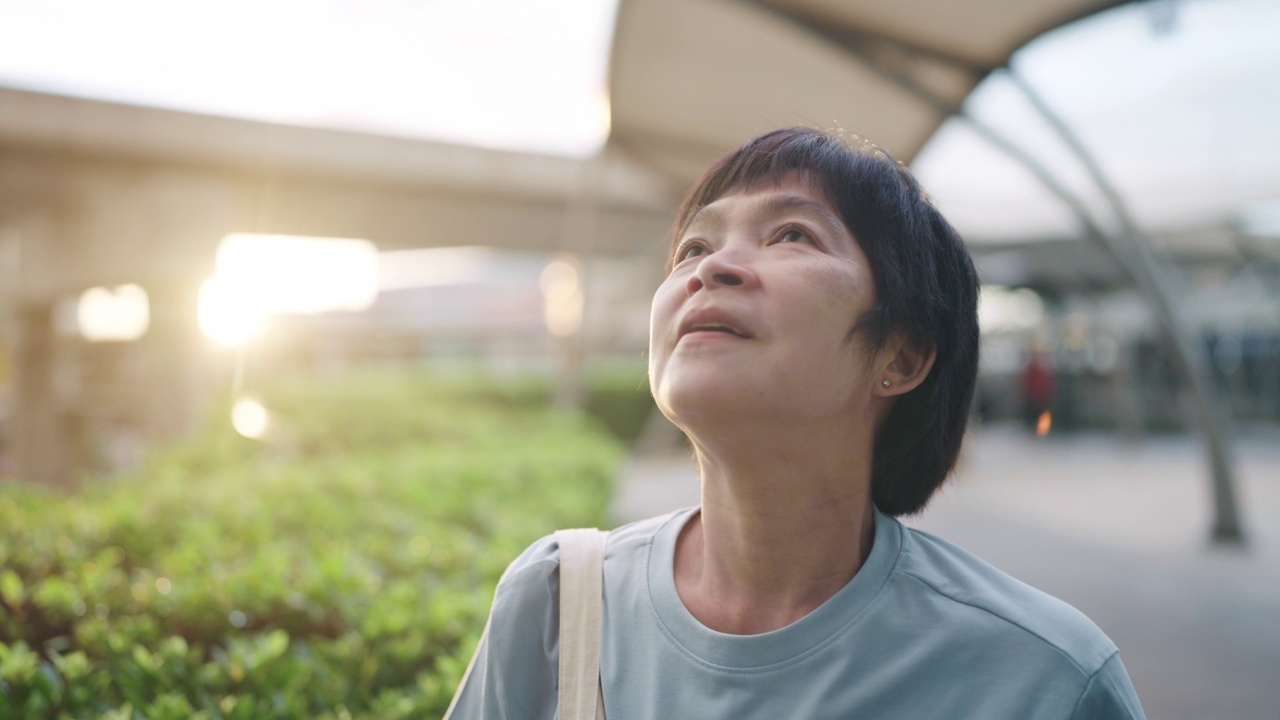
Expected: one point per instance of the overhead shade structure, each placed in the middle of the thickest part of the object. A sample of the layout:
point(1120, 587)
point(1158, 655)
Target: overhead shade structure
point(691, 79)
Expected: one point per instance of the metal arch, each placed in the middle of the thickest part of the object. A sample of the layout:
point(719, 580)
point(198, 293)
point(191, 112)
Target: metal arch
point(1159, 281)
point(1129, 250)
point(887, 56)
point(846, 37)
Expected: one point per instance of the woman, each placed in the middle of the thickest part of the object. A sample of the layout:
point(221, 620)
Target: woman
point(816, 338)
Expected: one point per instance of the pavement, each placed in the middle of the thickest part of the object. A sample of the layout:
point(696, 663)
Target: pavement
point(1118, 529)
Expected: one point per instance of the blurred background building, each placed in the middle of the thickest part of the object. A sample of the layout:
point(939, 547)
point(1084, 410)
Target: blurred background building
point(189, 194)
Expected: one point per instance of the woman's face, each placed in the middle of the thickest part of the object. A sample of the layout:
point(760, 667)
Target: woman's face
point(757, 312)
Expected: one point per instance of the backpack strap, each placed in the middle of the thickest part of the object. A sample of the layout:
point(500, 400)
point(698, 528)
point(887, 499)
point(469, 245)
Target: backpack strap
point(581, 586)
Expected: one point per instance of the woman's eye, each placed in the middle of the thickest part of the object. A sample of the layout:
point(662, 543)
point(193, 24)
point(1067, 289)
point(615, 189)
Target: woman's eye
point(690, 250)
point(794, 235)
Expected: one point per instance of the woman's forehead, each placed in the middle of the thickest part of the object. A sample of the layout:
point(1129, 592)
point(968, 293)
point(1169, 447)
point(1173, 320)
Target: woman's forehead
point(790, 193)
point(764, 204)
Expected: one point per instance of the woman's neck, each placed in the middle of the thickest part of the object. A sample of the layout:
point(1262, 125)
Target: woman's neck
point(782, 529)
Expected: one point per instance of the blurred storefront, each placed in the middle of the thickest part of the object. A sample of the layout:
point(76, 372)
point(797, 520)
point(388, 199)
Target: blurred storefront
point(1072, 319)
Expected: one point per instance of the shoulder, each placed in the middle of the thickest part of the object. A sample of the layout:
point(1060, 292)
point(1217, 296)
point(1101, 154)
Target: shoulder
point(532, 567)
point(534, 576)
point(632, 541)
point(974, 587)
point(530, 583)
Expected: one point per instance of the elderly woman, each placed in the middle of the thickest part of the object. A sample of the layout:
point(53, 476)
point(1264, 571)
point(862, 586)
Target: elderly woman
point(816, 338)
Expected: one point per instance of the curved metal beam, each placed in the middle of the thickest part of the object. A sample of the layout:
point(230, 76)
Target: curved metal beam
point(1159, 282)
point(845, 35)
point(1132, 254)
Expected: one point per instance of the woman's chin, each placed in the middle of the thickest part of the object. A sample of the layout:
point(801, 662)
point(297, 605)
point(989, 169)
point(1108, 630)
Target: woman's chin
point(690, 403)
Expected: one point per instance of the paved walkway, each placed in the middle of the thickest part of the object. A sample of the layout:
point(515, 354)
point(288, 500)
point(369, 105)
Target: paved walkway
point(1120, 531)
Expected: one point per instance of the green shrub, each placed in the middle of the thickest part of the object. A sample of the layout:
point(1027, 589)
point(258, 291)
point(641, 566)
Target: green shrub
point(340, 569)
point(618, 396)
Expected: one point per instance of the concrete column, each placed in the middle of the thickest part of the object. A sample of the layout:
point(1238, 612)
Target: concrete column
point(45, 447)
point(176, 385)
point(579, 232)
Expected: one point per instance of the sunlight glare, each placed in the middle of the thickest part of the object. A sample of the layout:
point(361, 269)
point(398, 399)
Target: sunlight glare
point(425, 267)
point(113, 314)
point(225, 316)
point(1002, 309)
point(258, 276)
point(250, 418)
point(563, 297)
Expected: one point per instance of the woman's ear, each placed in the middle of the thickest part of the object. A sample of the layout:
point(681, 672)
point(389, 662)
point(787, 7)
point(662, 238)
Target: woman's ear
point(904, 366)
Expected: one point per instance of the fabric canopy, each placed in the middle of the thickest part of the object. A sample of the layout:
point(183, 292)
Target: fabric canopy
point(691, 79)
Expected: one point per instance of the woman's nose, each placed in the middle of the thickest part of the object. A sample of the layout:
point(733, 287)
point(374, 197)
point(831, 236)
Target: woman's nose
point(723, 268)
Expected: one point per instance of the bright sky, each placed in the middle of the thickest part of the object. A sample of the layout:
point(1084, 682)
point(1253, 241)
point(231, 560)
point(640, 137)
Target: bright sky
point(1186, 121)
point(515, 74)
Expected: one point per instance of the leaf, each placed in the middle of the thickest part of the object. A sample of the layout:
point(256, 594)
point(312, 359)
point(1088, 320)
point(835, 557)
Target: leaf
point(73, 666)
point(18, 664)
point(144, 659)
point(274, 645)
point(48, 682)
point(12, 590)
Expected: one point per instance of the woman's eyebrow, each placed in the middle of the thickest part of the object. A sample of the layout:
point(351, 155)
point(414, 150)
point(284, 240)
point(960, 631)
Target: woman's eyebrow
point(716, 216)
point(802, 204)
point(706, 215)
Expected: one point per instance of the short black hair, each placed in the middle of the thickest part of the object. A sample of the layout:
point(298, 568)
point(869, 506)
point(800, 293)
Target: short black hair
point(926, 287)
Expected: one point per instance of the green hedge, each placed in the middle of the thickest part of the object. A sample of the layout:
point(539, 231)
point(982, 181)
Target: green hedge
point(341, 569)
point(618, 396)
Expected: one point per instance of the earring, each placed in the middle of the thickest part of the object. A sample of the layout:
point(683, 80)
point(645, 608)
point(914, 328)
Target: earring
point(885, 383)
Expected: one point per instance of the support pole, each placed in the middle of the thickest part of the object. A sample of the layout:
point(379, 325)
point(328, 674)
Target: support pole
point(176, 390)
point(1160, 284)
point(578, 237)
point(1156, 282)
point(45, 447)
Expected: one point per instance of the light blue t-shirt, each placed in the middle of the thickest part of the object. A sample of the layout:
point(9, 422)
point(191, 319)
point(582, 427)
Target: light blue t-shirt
point(924, 630)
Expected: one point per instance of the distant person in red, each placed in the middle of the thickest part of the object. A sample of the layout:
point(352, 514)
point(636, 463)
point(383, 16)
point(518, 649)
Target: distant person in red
point(1039, 384)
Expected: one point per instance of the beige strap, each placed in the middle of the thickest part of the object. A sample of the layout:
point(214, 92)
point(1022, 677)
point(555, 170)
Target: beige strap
point(466, 676)
point(581, 576)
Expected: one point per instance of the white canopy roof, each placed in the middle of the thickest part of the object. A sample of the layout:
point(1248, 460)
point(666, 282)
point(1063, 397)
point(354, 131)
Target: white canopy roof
point(692, 79)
